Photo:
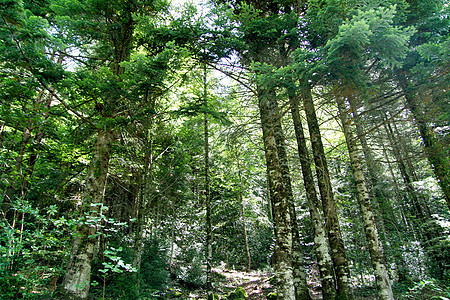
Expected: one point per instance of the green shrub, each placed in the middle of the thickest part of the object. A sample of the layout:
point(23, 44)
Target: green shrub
point(428, 289)
point(9, 286)
point(238, 294)
point(154, 274)
point(273, 280)
point(213, 297)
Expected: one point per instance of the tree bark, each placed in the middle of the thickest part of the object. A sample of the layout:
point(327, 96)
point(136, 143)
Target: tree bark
point(410, 168)
point(78, 275)
point(18, 186)
point(422, 219)
point(328, 203)
point(41, 106)
point(375, 247)
point(401, 199)
point(279, 198)
point(45, 111)
point(383, 205)
point(298, 268)
point(320, 239)
point(298, 264)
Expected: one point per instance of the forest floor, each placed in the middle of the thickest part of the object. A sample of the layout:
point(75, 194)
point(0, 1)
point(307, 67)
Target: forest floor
point(258, 285)
point(255, 283)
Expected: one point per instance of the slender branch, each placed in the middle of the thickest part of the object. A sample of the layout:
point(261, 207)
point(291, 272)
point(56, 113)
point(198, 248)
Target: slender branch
point(41, 82)
point(237, 79)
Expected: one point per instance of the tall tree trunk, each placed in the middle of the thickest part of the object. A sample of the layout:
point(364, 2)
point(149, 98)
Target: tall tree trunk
point(328, 203)
point(410, 168)
point(241, 201)
point(247, 249)
point(2, 130)
point(15, 188)
point(78, 275)
point(207, 194)
point(76, 281)
point(435, 151)
point(422, 220)
point(399, 195)
point(20, 181)
point(279, 198)
point(417, 208)
point(383, 205)
point(375, 247)
point(384, 211)
point(145, 195)
point(320, 239)
point(298, 264)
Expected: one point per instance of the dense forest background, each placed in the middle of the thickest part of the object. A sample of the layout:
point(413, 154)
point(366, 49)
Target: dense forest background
point(147, 148)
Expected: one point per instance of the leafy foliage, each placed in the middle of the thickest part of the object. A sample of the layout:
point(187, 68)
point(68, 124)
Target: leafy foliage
point(72, 68)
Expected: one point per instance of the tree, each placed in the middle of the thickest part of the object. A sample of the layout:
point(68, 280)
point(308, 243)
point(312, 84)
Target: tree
point(329, 208)
point(207, 191)
point(423, 88)
point(109, 29)
point(345, 54)
point(320, 238)
point(26, 66)
point(278, 174)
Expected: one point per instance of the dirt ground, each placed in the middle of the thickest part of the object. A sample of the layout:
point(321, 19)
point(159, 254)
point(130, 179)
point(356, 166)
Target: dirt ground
point(255, 283)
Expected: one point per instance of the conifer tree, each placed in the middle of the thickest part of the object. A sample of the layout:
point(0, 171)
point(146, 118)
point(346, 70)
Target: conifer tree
point(106, 31)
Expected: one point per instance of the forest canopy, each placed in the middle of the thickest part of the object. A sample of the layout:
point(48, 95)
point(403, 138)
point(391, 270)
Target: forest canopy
point(224, 149)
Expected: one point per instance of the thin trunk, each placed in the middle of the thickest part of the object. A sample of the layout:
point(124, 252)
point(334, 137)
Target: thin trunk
point(422, 220)
point(279, 198)
point(320, 239)
point(375, 247)
point(413, 175)
point(15, 188)
point(418, 211)
point(383, 205)
point(144, 198)
point(35, 148)
point(400, 225)
point(2, 130)
point(241, 201)
point(172, 242)
point(20, 182)
point(328, 203)
point(140, 231)
point(39, 132)
point(247, 249)
point(436, 152)
point(78, 275)
point(207, 195)
point(398, 193)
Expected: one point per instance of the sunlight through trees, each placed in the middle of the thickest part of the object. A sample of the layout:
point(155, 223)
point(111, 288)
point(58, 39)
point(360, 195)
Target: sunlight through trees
point(224, 149)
